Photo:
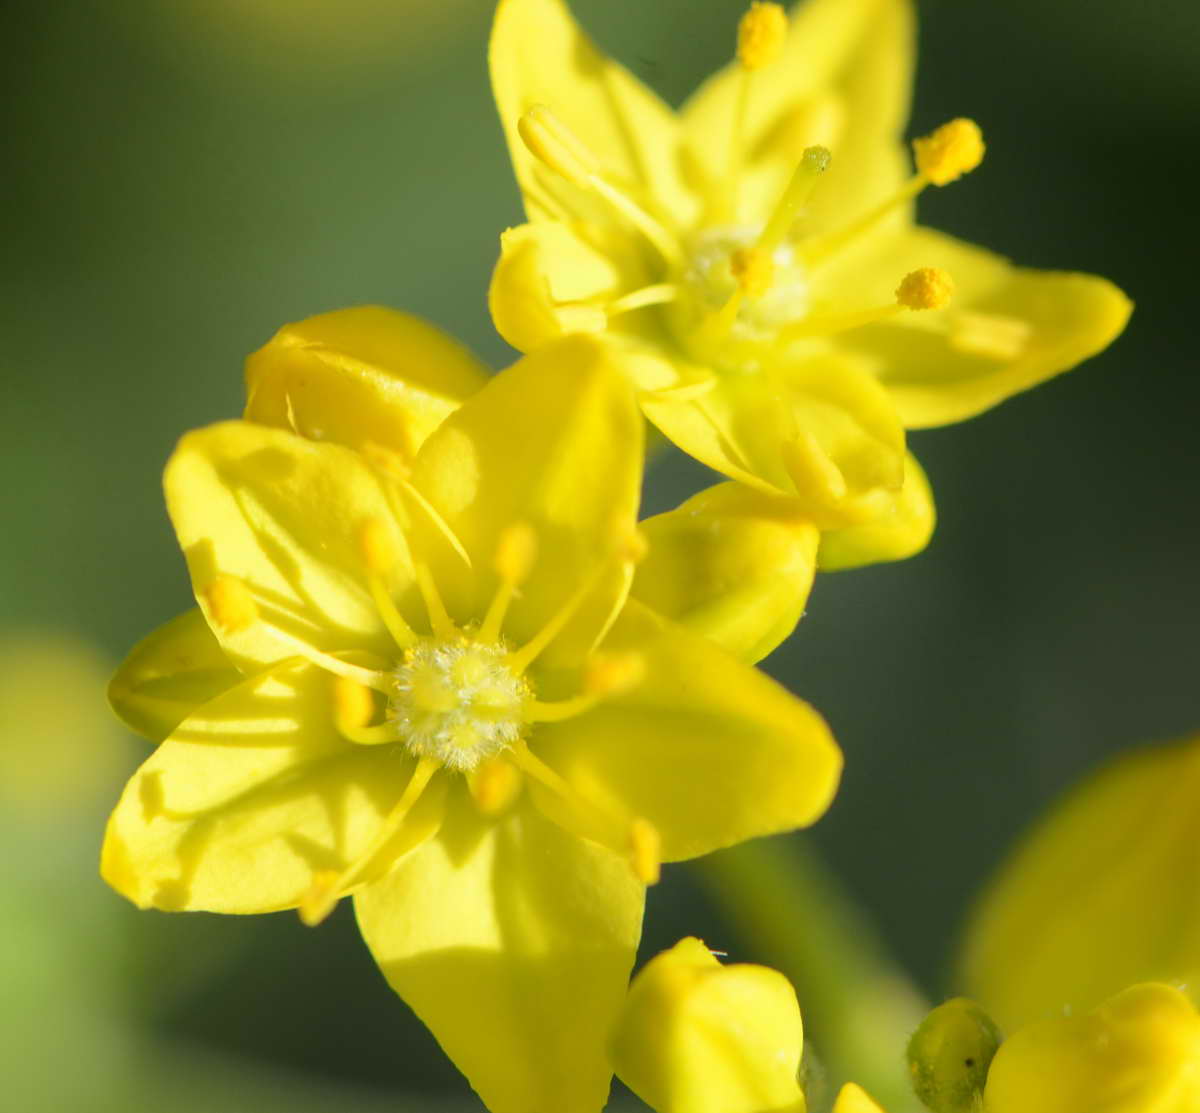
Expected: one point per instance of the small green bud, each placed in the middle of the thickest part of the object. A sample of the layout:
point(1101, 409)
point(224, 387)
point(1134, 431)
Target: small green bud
point(949, 1055)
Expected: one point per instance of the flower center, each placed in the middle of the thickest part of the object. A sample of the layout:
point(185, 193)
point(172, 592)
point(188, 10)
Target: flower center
point(458, 701)
point(768, 290)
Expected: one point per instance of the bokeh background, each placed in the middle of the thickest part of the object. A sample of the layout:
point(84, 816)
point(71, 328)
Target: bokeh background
point(183, 177)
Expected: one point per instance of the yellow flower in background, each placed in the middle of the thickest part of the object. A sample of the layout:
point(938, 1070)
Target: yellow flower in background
point(1139, 1052)
point(698, 1037)
point(754, 256)
point(449, 707)
point(1100, 894)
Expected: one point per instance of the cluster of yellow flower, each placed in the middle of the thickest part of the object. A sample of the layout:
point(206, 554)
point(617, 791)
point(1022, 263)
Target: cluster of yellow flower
point(439, 665)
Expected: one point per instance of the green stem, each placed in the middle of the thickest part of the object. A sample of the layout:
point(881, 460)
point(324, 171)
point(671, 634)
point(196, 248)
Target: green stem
point(859, 1007)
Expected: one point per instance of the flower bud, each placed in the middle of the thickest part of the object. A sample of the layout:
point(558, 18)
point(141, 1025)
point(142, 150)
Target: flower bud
point(1139, 1052)
point(731, 564)
point(699, 1037)
point(360, 375)
point(949, 1055)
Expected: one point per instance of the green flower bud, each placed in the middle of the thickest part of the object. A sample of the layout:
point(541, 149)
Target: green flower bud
point(698, 1037)
point(949, 1055)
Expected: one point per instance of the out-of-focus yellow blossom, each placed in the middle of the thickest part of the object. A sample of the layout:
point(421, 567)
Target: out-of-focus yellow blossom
point(1139, 1052)
point(698, 1037)
point(449, 707)
point(949, 1055)
point(1101, 894)
point(755, 258)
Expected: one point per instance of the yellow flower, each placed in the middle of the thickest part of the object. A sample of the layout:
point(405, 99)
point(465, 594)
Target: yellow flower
point(449, 707)
point(755, 258)
point(698, 1037)
point(1139, 1052)
point(1099, 895)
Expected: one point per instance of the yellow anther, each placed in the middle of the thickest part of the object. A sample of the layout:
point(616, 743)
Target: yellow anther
point(550, 141)
point(761, 35)
point(386, 460)
point(951, 151)
point(231, 605)
point(926, 288)
point(645, 851)
point(754, 270)
point(629, 544)
point(378, 550)
point(353, 703)
point(515, 552)
point(495, 785)
point(316, 904)
point(610, 674)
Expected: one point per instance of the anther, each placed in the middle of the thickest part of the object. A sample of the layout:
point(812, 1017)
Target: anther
point(645, 851)
point(550, 141)
point(754, 270)
point(926, 288)
point(378, 551)
point(762, 32)
point(516, 552)
point(951, 151)
point(231, 605)
point(353, 703)
point(495, 785)
point(610, 674)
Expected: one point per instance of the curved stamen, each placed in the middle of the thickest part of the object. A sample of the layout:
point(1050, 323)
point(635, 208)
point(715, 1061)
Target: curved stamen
point(329, 886)
point(515, 554)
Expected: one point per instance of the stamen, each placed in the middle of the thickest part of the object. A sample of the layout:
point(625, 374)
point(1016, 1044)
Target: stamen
point(558, 148)
point(377, 679)
point(754, 270)
point(927, 288)
point(606, 674)
point(380, 557)
point(495, 785)
point(645, 851)
point(762, 33)
point(352, 703)
point(515, 554)
point(951, 151)
point(440, 621)
point(809, 464)
point(942, 157)
point(636, 838)
point(231, 605)
point(392, 467)
point(328, 886)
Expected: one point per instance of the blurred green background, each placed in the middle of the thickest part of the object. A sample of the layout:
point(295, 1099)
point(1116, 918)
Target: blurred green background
point(183, 177)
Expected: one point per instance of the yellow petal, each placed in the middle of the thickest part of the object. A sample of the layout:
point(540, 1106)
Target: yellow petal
point(1008, 328)
point(843, 82)
point(549, 282)
point(282, 516)
point(169, 674)
point(1139, 1052)
point(554, 442)
point(539, 55)
point(899, 525)
point(852, 1098)
point(1100, 894)
point(706, 748)
point(366, 374)
point(251, 798)
point(513, 942)
point(821, 431)
point(699, 1037)
point(731, 564)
